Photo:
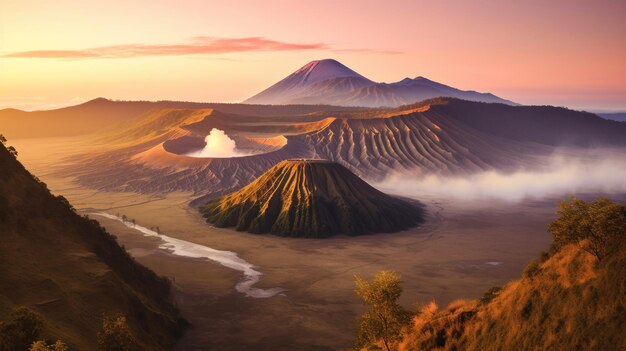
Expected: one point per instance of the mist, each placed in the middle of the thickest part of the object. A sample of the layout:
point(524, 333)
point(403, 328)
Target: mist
point(218, 144)
point(601, 173)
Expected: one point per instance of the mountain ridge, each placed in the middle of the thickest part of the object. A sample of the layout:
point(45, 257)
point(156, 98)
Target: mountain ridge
point(330, 82)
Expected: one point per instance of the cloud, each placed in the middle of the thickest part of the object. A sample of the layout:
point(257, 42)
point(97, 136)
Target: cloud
point(218, 144)
point(198, 46)
point(602, 174)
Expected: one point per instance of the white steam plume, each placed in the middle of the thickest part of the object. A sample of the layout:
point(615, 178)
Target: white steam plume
point(218, 144)
point(603, 173)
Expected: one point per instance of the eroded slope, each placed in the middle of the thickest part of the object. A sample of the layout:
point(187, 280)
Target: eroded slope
point(310, 198)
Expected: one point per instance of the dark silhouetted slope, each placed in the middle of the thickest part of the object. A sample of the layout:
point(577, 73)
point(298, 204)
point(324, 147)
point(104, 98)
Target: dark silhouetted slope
point(548, 125)
point(311, 198)
point(71, 271)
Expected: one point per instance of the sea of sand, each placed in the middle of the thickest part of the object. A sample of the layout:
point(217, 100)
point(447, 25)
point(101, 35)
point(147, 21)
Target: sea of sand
point(463, 249)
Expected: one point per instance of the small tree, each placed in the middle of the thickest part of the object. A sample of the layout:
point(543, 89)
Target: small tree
point(602, 223)
point(116, 335)
point(43, 346)
point(20, 330)
point(385, 319)
point(12, 151)
point(3, 140)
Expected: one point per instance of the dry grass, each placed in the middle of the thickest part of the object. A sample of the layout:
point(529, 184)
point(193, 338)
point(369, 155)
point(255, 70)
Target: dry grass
point(571, 303)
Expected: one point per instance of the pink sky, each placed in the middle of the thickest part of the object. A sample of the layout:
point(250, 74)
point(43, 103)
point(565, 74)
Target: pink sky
point(569, 53)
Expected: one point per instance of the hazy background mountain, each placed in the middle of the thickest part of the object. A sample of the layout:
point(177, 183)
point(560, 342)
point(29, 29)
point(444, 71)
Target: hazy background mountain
point(615, 116)
point(330, 82)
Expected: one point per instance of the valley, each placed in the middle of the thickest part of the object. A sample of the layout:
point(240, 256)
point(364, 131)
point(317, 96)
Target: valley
point(312, 176)
point(239, 290)
point(461, 250)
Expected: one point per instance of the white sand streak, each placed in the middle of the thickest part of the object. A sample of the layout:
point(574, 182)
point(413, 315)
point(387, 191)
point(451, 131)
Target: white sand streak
point(225, 258)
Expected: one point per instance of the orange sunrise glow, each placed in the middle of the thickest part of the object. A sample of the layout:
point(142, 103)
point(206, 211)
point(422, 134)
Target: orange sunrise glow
point(568, 53)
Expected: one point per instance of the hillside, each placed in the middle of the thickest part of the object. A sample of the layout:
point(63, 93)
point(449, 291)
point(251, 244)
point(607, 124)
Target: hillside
point(330, 82)
point(311, 198)
point(441, 136)
point(69, 270)
point(567, 300)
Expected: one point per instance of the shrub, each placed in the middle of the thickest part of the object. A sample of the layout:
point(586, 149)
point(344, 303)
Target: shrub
point(532, 269)
point(385, 319)
point(602, 222)
point(42, 346)
point(21, 329)
point(491, 294)
point(116, 335)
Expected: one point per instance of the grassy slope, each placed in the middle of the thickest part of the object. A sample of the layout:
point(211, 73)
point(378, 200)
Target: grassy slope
point(572, 303)
point(311, 199)
point(71, 271)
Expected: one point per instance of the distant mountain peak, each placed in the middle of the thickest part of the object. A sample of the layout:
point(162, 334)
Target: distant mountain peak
point(330, 82)
point(319, 70)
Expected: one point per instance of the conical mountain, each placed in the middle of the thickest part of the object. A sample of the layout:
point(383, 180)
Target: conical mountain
point(311, 198)
point(329, 82)
point(308, 75)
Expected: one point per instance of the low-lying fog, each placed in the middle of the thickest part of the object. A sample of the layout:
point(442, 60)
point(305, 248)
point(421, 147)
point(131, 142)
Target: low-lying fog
point(218, 144)
point(603, 171)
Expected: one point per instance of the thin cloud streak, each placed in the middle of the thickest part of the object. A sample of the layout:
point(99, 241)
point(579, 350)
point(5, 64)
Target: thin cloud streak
point(199, 46)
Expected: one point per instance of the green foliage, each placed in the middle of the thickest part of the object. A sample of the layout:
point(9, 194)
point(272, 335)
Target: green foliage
point(21, 329)
point(116, 335)
point(602, 223)
point(41, 345)
point(385, 319)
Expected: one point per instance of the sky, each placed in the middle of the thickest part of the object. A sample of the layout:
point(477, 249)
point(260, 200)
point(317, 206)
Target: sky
point(562, 52)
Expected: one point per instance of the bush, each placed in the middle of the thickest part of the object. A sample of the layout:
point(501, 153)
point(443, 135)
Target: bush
point(42, 346)
point(116, 335)
point(601, 223)
point(532, 269)
point(491, 294)
point(21, 329)
point(385, 319)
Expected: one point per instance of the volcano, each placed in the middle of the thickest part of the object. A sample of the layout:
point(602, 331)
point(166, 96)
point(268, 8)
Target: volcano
point(330, 82)
point(311, 198)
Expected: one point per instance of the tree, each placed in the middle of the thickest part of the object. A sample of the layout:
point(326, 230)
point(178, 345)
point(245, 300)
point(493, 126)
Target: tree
point(3, 140)
point(116, 335)
point(385, 318)
point(20, 330)
point(43, 346)
point(598, 225)
point(12, 151)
